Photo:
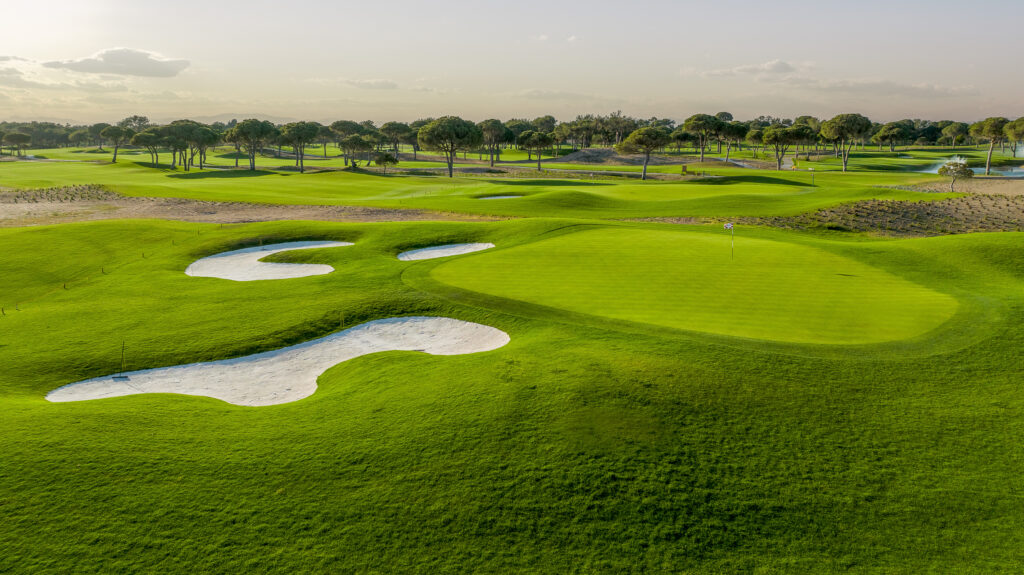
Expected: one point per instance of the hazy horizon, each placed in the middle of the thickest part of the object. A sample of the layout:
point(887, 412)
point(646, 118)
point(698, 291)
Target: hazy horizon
point(78, 63)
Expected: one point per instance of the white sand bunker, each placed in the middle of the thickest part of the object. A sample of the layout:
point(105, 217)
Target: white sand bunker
point(499, 197)
point(244, 265)
point(442, 251)
point(290, 374)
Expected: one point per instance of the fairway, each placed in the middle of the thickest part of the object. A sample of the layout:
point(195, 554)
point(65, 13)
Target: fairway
point(772, 290)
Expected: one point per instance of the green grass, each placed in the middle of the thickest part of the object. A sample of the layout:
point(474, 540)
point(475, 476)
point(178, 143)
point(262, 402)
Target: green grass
point(772, 290)
point(580, 446)
point(659, 409)
point(731, 192)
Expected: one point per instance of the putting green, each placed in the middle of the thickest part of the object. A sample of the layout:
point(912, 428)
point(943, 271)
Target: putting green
point(772, 290)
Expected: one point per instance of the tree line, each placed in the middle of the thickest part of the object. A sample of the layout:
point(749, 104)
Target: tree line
point(187, 141)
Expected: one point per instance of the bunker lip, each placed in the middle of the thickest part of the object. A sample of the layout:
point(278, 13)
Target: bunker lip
point(290, 374)
point(245, 265)
point(442, 251)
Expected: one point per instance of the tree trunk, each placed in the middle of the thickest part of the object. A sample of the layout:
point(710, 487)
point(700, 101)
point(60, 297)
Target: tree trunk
point(114, 161)
point(988, 160)
point(702, 146)
point(451, 164)
point(728, 150)
point(647, 158)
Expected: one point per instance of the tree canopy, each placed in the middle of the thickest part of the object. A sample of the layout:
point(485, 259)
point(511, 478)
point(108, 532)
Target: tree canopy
point(253, 135)
point(956, 168)
point(845, 130)
point(645, 141)
point(704, 127)
point(448, 135)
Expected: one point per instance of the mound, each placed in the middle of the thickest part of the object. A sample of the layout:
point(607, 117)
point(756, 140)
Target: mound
point(772, 290)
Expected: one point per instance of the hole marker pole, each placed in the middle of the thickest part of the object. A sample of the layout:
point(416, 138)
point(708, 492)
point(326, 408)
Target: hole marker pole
point(732, 239)
point(122, 357)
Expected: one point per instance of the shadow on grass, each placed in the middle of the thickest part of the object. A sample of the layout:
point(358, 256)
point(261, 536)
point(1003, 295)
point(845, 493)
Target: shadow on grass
point(223, 174)
point(729, 180)
point(525, 182)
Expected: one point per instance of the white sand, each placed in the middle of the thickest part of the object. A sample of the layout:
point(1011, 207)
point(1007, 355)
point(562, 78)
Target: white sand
point(499, 197)
point(290, 374)
point(442, 251)
point(244, 265)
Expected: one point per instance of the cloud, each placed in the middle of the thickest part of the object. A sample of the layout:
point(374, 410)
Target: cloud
point(563, 96)
point(771, 67)
point(571, 39)
point(427, 90)
point(373, 84)
point(124, 62)
point(537, 94)
point(14, 78)
point(799, 76)
point(871, 87)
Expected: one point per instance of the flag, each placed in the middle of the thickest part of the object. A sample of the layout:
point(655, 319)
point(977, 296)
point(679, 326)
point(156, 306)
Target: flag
point(728, 226)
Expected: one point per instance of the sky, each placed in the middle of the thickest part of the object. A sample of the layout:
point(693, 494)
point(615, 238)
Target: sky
point(101, 60)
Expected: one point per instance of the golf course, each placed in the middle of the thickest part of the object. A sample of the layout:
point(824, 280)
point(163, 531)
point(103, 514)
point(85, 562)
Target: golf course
point(587, 374)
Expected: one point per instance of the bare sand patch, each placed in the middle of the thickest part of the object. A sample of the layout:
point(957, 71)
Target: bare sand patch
point(442, 251)
point(87, 203)
point(290, 374)
point(244, 265)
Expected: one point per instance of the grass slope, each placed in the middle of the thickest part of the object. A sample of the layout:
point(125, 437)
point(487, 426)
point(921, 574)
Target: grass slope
point(772, 290)
point(732, 192)
point(576, 448)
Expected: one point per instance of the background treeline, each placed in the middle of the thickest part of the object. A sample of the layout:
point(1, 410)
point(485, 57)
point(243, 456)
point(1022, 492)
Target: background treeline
point(186, 142)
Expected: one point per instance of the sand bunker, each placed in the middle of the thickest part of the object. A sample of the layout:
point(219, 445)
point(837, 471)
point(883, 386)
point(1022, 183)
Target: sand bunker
point(290, 374)
point(442, 251)
point(244, 265)
point(499, 197)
